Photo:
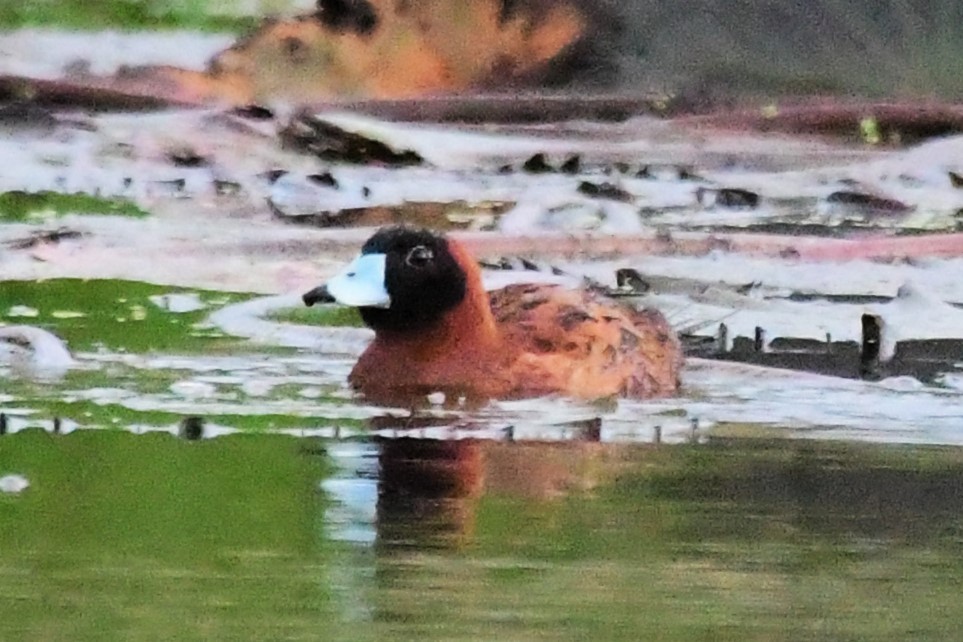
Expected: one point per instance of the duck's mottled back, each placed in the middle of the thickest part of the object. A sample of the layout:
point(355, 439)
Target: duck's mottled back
point(585, 344)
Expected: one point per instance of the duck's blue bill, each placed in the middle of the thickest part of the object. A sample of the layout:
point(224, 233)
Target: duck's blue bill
point(362, 283)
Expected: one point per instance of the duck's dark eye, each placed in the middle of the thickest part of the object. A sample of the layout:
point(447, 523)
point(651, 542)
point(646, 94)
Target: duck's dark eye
point(419, 256)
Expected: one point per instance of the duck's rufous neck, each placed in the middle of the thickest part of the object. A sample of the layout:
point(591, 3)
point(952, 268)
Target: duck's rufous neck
point(467, 331)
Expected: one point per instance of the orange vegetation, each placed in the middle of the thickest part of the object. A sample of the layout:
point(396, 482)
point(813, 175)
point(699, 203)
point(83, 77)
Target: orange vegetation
point(388, 49)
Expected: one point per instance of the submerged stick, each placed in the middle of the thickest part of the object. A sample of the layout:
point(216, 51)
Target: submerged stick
point(870, 347)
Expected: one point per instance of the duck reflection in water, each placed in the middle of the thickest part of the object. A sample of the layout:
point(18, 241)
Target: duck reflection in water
point(429, 490)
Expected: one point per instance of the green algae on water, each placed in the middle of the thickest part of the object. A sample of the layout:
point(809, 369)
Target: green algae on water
point(25, 207)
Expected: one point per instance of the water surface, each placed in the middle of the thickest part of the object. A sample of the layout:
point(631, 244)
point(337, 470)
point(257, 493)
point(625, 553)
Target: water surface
point(274, 537)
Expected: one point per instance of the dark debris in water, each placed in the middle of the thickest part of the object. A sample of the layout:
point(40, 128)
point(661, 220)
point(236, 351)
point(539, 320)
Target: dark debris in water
point(439, 216)
point(869, 203)
point(537, 164)
point(42, 237)
point(670, 172)
point(923, 359)
point(572, 165)
point(728, 197)
point(187, 157)
point(325, 179)
point(629, 282)
point(331, 143)
point(192, 428)
point(806, 297)
point(253, 112)
point(173, 187)
point(604, 190)
point(227, 188)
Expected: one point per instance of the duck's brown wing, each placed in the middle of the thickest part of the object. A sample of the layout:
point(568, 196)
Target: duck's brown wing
point(583, 344)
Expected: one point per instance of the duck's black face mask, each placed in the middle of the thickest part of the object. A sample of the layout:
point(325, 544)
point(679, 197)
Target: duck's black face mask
point(405, 279)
